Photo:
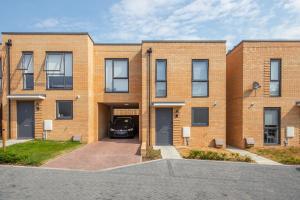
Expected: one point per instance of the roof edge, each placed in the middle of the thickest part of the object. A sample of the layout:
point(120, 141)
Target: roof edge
point(183, 41)
point(117, 44)
point(48, 33)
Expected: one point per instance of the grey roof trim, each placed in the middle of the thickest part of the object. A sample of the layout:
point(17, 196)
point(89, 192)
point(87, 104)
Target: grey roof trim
point(259, 41)
point(117, 44)
point(48, 33)
point(183, 41)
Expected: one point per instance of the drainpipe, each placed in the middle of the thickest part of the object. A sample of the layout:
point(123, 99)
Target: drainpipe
point(149, 51)
point(8, 44)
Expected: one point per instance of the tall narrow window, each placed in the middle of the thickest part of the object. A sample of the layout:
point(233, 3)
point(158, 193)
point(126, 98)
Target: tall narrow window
point(116, 75)
point(161, 78)
point(271, 125)
point(200, 78)
point(59, 67)
point(0, 75)
point(27, 66)
point(275, 78)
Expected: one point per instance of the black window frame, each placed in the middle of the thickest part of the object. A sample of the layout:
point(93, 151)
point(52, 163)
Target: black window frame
point(57, 110)
point(24, 74)
point(192, 114)
point(161, 81)
point(278, 109)
point(279, 75)
point(113, 78)
point(1, 75)
point(199, 80)
point(49, 72)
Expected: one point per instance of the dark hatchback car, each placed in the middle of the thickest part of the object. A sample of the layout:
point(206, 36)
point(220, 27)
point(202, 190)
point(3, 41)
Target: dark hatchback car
point(122, 127)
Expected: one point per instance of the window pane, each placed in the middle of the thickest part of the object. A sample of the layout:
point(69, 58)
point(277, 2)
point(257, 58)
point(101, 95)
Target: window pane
point(54, 62)
point(68, 65)
point(271, 117)
point(55, 82)
point(274, 88)
point(27, 63)
point(161, 70)
point(275, 70)
point(200, 89)
point(200, 116)
point(161, 89)
point(64, 109)
point(108, 76)
point(120, 85)
point(120, 69)
point(200, 70)
point(28, 81)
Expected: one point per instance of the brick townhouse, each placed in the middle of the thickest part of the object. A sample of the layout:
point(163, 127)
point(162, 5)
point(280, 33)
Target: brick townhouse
point(263, 94)
point(80, 85)
point(174, 90)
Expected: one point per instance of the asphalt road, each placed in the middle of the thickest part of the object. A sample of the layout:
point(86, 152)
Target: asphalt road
point(164, 179)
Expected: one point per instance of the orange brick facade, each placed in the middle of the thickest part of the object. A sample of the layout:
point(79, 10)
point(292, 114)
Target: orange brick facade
point(93, 107)
point(249, 62)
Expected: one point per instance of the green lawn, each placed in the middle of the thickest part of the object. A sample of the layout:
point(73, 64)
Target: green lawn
point(284, 155)
point(35, 152)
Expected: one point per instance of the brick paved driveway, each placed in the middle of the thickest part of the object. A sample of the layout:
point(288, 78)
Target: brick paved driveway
point(163, 179)
point(100, 155)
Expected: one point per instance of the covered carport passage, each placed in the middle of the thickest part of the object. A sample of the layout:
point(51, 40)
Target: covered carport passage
point(107, 112)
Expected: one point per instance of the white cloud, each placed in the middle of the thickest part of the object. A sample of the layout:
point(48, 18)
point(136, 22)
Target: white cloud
point(185, 19)
point(291, 5)
point(63, 24)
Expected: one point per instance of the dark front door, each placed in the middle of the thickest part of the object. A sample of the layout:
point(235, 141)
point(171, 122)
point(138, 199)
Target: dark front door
point(164, 126)
point(25, 119)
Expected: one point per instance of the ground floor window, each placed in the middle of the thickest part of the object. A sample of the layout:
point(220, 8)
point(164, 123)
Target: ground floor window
point(200, 116)
point(64, 109)
point(272, 125)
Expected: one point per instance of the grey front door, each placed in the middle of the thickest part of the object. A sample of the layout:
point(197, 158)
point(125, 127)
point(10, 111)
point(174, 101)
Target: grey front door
point(164, 126)
point(25, 119)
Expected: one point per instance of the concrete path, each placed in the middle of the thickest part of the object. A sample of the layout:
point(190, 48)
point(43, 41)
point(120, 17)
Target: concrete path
point(163, 179)
point(168, 152)
point(11, 142)
point(100, 155)
point(258, 159)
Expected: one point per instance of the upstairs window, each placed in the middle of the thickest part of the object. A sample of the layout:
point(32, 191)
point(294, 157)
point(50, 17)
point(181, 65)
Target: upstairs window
point(28, 71)
point(116, 75)
point(1, 75)
point(275, 78)
point(59, 67)
point(200, 78)
point(161, 78)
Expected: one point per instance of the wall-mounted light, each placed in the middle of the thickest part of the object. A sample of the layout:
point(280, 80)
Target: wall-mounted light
point(176, 113)
point(77, 96)
point(37, 106)
point(215, 103)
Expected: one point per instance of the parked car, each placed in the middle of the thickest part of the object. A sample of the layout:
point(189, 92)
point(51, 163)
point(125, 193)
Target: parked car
point(122, 127)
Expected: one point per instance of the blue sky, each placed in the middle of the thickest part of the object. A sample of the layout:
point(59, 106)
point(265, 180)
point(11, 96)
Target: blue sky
point(136, 20)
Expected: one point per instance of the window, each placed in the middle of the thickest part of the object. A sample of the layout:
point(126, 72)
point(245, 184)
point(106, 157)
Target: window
point(59, 67)
point(64, 109)
point(116, 75)
point(27, 66)
point(275, 78)
point(271, 125)
point(200, 116)
point(200, 78)
point(161, 78)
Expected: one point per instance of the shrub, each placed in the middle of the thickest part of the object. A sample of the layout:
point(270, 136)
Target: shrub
point(211, 155)
point(11, 158)
point(152, 154)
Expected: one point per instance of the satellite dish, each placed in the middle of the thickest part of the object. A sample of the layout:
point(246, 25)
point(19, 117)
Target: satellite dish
point(256, 85)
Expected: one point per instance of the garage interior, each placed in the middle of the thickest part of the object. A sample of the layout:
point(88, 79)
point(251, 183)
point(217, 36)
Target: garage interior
point(109, 111)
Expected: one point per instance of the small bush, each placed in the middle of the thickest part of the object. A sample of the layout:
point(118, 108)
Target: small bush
point(211, 155)
point(11, 158)
point(152, 154)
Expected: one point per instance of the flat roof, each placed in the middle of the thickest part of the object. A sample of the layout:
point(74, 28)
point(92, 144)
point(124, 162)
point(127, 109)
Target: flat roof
point(246, 41)
point(48, 33)
point(183, 41)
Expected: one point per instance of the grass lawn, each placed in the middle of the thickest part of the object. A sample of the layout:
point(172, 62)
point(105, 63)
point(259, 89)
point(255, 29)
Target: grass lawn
point(35, 152)
point(284, 155)
point(208, 153)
